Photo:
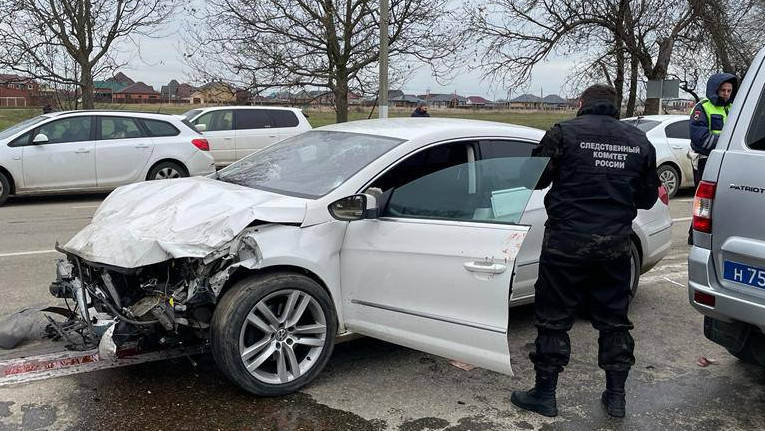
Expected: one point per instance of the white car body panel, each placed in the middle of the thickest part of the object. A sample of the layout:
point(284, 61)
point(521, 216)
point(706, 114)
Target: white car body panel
point(151, 222)
point(222, 146)
point(122, 161)
point(438, 286)
point(64, 165)
point(250, 140)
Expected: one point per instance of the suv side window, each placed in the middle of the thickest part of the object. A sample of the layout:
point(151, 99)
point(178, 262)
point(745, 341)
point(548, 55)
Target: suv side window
point(118, 128)
point(73, 129)
point(22, 140)
point(217, 120)
point(283, 118)
point(159, 128)
point(252, 119)
point(755, 137)
point(679, 130)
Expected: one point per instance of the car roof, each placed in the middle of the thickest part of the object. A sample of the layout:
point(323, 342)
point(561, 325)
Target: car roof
point(413, 128)
point(143, 114)
point(662, 118)
point(218, 108)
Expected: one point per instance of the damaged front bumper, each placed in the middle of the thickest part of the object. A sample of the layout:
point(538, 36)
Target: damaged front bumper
point(163, 305)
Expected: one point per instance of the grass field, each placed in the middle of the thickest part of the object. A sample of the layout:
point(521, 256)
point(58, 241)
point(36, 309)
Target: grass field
point(540, 120)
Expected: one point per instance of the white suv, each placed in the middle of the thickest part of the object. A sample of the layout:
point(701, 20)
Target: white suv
point(98, 150)
point(238, 131)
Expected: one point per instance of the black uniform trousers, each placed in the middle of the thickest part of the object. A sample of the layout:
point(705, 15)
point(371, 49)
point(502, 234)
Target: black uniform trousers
point(599, 286)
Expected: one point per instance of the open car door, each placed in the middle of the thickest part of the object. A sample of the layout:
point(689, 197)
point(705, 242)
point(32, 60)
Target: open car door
point(434, 271)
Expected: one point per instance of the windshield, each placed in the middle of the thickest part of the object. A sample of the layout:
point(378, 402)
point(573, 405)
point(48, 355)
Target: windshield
point(309, 165)
point(7, 133)
point(191, 114)
point(644, 125)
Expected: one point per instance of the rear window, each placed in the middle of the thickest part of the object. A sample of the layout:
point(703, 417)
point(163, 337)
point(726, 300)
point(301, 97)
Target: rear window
point(755, 137)
point(283, 118)
point(159, 128)
point(644, 125)
point(679, 130)
point(252, 119)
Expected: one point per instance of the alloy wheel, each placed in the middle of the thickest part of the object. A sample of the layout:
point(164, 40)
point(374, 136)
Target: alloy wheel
point(167, 173)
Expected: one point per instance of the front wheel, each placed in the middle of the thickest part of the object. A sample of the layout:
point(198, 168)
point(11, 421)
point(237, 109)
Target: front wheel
point(5, 188)
point(272, 334)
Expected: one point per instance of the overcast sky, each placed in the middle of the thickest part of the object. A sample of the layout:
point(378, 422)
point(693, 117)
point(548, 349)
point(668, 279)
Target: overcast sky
point(159, 60)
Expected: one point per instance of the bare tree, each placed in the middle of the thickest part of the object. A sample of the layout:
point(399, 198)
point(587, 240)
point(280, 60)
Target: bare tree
point(331, 44)
point(45, 38)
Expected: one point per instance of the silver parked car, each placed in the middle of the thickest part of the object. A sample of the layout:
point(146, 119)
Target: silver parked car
point(414, 231)
point(670, 136)
point(726, 265)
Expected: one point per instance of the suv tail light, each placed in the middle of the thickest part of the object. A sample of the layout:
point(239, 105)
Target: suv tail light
point(201, 143)
point(702, 207)
point(663, 196)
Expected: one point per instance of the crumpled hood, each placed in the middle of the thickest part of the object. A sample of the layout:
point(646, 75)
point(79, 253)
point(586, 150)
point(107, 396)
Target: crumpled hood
point(714, 83)
point(150, 222)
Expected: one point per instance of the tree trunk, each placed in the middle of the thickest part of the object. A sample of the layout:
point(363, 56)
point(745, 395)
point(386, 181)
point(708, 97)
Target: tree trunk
point(634, 66)
point(619, 80)
point(340, 90)
point(86, 86)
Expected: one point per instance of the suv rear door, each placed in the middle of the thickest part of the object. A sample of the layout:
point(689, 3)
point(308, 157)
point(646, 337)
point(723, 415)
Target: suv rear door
point(254, 130)
point(738, 229)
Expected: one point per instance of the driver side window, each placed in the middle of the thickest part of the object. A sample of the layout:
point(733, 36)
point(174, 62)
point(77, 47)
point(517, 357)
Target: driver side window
point(433, 183)
point(74, 129)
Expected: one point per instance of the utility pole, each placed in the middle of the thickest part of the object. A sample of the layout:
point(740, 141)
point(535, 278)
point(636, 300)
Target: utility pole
point(383, 98)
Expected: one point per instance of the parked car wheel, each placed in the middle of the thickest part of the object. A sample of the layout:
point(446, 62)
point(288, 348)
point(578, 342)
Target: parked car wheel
point(272, 334)
point(166, 171)
point(634, 269)
point(670, 178)
point(5, 188)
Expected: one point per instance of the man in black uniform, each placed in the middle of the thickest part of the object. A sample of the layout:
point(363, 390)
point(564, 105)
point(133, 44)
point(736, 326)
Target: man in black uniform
point(602, 171)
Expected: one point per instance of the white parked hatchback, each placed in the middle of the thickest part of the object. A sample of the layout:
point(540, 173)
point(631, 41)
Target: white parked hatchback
point(670, 135)
point(98, 150)
point(235, 132)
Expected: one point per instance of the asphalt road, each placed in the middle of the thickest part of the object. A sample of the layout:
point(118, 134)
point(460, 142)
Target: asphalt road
point(372, 385)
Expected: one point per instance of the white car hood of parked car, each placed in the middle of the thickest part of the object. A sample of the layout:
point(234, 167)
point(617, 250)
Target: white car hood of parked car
point(151, 222)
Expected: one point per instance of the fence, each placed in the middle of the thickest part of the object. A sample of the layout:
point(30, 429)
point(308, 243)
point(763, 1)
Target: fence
point(13, 101)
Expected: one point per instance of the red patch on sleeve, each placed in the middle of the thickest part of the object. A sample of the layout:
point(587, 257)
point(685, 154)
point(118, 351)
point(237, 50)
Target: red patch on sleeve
point(696, 114)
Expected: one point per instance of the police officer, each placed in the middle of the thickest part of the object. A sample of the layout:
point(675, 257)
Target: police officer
point(602, 171)
point(707, 120)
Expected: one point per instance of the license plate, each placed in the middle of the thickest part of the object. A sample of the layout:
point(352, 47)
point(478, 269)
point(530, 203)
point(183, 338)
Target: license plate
point(744, 274)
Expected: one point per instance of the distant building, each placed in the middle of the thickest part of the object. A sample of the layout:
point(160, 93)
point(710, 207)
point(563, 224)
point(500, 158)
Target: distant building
point(174, 92)
point(444, 100)
point(137, 93)
point(17, 90)
point(478, 102)
point(526, 101)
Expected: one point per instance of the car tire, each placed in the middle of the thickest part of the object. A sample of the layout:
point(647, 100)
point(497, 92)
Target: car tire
point(5, 188)
point(670, 178)
point(266, 349)
point(166, 171)
point(635, 265)
point(753, 351)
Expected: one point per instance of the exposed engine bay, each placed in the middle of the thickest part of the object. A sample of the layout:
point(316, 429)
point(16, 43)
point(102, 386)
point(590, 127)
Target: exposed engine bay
point(162, 305)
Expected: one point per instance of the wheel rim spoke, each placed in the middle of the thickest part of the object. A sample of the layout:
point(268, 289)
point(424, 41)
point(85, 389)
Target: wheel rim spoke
point(291, 301)
point(260, 324)
point(268, 314)
point(281, 367)
point(315, 342)
point(316, 328)
point(294, 365)
point(253, 350)
point(252, 366)
point(299, 311)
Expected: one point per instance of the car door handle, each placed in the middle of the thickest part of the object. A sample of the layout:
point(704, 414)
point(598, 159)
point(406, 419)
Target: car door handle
point(82, 150)
point(486, 267)
point(678, 147)
point(142, 146)
point(271, 136)
point(226, 139)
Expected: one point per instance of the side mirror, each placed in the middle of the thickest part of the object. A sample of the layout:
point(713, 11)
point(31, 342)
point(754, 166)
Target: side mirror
point(200, 127)
point(356, 207)
point(40, 139)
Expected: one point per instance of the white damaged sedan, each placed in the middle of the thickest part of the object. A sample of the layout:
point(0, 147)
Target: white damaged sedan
point(407, 230)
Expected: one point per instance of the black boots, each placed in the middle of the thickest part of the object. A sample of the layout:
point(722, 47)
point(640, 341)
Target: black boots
point(614, 396)
point(540, 398)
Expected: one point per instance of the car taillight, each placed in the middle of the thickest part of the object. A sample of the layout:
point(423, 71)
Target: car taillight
point(702, 207)
point(202, 144)
point(663, 196)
